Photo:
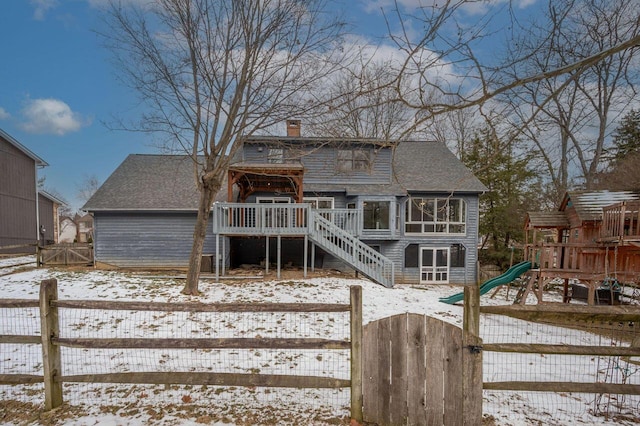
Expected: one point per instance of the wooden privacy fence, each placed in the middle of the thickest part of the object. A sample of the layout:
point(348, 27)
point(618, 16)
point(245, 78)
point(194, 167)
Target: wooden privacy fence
point(65, 254)
point(419, 370)
point(51, 341)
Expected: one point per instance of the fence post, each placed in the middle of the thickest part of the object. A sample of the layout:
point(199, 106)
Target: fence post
point(50, 352)
point(356, 353)
point(471, 314)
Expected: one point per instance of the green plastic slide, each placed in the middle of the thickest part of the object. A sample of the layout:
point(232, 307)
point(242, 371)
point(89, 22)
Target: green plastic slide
point(512, 273)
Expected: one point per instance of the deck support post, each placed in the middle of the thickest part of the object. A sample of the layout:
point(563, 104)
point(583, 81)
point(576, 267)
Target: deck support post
point(313, 257)
point(224, 257)
point(266, 256)
point(279, 254)
point(217, 257)
point(306, 250)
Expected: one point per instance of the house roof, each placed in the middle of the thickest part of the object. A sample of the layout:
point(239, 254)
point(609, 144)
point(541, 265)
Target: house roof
point(166, 182)
point(52, 198)
point(39, 161)
point(148, 182)
point(431, 166)
point(546, 220)
point(588, 204)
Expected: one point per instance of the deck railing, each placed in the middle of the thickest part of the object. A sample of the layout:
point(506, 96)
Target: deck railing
point(260, 219)
point(590, 258)
point(621, 221)
point(351, 250)
point(278, 219)
point(346, 219)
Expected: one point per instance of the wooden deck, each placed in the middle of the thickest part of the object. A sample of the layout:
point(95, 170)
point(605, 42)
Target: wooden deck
point(334, 230)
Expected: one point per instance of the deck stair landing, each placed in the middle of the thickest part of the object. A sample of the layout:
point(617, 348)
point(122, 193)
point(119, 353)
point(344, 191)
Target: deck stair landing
point(351, 250)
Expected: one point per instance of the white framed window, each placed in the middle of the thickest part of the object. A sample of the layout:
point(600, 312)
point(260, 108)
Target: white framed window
point(319, 202)
point(435, 216)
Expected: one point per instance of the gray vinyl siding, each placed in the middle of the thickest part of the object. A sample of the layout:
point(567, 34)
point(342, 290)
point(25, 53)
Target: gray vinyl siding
point(147, 239)
point(320, 164)
point(18, 221)
point(466, 275)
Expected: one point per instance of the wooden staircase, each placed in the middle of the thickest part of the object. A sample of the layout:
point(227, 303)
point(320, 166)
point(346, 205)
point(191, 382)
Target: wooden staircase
point(350, 249)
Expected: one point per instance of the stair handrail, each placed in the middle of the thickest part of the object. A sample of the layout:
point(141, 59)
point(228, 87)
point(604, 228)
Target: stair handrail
point(347, 247)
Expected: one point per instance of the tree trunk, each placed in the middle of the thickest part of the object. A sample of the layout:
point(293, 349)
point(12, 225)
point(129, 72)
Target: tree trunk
point(207, 193)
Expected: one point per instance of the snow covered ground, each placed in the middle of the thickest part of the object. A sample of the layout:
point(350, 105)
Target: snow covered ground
point(185, 405)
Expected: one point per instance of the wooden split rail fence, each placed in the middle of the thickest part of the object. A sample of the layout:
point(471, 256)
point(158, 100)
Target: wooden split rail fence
point(52, 340)
point(573, 316)
point(405, 369)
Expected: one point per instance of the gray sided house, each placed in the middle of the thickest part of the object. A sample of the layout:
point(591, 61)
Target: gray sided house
point(49, 228)
point(399, 213)
point(19, 199)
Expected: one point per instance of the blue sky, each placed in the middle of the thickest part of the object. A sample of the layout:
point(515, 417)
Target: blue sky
point(58, 87)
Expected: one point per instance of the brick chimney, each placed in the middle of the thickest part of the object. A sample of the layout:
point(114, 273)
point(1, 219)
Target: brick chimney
point(293, 128)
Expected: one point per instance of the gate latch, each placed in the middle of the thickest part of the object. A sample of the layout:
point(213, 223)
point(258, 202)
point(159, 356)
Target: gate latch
point(475, 349)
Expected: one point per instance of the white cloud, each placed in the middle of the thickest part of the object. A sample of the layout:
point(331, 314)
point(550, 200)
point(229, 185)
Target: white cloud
point(4, 114)
point(50, 116)
point(41, 7)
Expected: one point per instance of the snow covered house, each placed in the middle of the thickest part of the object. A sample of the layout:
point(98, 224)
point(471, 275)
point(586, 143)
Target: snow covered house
point(403, 212)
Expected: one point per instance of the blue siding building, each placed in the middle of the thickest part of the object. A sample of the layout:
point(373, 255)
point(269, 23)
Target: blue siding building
point(401, 212)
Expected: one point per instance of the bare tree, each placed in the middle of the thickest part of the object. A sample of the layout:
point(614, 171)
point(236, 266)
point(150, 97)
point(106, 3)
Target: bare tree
point(445, 73)
point(87, 187)
point(212, 72)
point(569, 116)
point(365, 105)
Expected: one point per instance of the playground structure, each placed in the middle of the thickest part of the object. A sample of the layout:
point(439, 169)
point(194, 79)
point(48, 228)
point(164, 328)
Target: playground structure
point(592, 242)
point(510, 275)
point(591, 245)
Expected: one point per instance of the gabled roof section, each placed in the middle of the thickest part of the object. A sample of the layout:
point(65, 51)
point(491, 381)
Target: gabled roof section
point(546, 220)
point(588, 204)
point(431, 166)
point(39, 161)
point(52, 198)
point(148, 182)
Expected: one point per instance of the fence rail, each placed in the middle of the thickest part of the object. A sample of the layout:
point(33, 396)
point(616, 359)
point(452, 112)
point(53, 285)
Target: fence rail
point(66, 254)
point(571, 317)
point(51, 341)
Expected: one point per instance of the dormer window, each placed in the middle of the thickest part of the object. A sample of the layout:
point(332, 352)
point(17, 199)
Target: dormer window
point(275, 156)
point(353, 159)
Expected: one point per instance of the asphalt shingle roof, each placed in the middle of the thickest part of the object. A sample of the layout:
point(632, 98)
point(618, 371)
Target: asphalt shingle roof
point(166, 182)
point(431, 166)
point(148, 182)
